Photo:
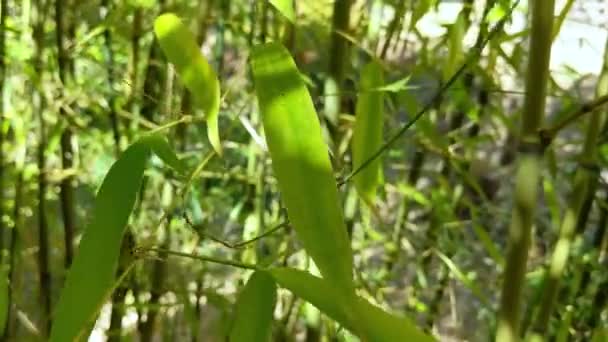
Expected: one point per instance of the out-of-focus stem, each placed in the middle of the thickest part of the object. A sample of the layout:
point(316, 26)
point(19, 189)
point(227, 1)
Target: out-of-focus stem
point(528, 171)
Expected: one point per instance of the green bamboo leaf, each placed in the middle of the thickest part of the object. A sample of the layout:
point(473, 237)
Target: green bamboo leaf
point(464, 279)
point(94, 267)
point(91, 277)
point(383, 326)
point(159, 145)
point(561, 18)
point(367, 135)
point(397, 86)
point(356, 314)
point(254, 309)
point(488, 244)
point(455, 50)
point(317, 292)
point(301, 163)
point(286, 8)
point(180, 48)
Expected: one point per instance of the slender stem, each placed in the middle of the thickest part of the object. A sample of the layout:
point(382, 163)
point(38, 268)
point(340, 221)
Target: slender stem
point(201, 258)
point(584, 109)
point(393, 27)
point(528, 173)
point(237, 245)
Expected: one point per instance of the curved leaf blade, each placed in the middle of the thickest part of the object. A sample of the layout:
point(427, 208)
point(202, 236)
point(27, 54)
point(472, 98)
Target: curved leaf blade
point(356, 314)
point(94, 267)
point(367, 135)
point(161, 148)
point(180, 48)
point(91, 277)
point(301, 163)
point(383, 326)
point(254, 309)
point(317, 292)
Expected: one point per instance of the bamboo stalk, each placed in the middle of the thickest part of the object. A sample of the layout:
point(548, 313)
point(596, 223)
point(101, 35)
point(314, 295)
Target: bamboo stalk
point(9, 331)
point(264, 23)
point(3, 16)
point(107, 34)
point(159, 271)
point(67, 152)
point(528, 171)
point(38, 108)
point(338, 61)
point(583, 178)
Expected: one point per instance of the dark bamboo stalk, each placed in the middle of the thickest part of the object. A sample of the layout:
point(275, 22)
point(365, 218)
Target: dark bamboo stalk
point(3, 16)
point(38, 108)
point(528, 172)
point(220, 46)
point(9, 331)
point(159, 272)
point(107, 35)
point(264, 23)
point(67, 152)
point(336, 69)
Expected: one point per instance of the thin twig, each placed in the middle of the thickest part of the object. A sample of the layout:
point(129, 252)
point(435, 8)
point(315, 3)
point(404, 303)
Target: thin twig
point(585, 108)
point(198, 257)
point(238, 245)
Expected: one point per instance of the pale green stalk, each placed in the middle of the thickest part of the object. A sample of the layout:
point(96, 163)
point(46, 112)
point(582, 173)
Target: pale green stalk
point(528, 171)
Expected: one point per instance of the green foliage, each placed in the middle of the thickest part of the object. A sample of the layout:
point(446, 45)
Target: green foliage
point(301, 163)
point(429, 123)
point(254, 309)
point(286, 8)
point(180, 48)
point(367, 135)
point(456, 33)
point(85, 291)
point(367, 321)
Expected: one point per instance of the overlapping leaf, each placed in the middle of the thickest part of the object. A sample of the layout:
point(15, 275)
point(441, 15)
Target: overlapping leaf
point(356, 314)
point(254, 309)
point(301, 163)
point(180, 48)
point(286, 8)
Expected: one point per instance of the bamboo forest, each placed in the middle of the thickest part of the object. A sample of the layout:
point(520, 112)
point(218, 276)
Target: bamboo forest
point(304, 170)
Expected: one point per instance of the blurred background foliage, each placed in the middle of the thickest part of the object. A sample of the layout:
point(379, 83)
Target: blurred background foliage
point(81, 80)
